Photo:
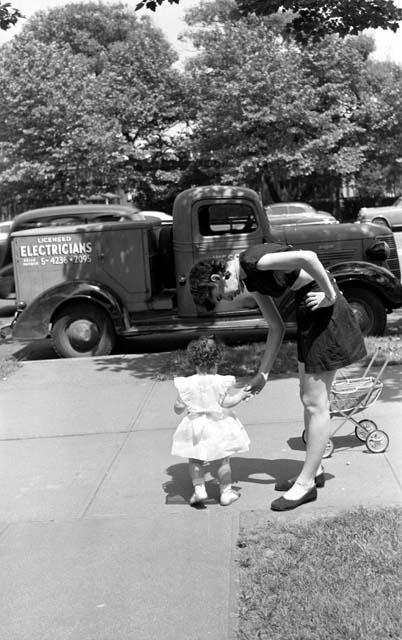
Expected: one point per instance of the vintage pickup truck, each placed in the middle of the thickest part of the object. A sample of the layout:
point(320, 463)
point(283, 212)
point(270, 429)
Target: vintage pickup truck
point(84, 285)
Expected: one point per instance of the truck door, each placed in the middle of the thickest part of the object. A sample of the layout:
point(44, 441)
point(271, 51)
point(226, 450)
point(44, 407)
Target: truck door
point(219, 227)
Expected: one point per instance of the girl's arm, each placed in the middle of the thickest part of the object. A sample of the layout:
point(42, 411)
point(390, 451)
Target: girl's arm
point(179, 406)
point(308, 261)
point(232, 399)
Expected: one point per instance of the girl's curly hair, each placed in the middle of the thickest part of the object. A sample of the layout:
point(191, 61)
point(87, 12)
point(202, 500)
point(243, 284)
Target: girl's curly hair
point(201, 287)
point(205, 352)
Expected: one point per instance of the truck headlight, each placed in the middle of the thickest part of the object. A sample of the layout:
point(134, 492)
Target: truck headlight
point(379, 251)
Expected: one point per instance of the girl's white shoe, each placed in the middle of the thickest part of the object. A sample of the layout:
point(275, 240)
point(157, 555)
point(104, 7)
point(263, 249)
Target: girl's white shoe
point(228, 496)
point(199, 494)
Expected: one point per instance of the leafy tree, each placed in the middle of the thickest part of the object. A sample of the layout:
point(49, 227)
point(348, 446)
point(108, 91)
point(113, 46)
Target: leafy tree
point(8, 16)
point(153, 4)
point(50, 122)
point(314, 19)
point(90, 104)
point(271, 113)
point(381, 117)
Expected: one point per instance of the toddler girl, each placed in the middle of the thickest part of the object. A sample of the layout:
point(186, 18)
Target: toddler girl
point(210, 431)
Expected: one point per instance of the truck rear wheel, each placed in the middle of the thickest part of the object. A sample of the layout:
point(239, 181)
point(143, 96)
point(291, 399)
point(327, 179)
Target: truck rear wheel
point(368, 309)
point(82, 330)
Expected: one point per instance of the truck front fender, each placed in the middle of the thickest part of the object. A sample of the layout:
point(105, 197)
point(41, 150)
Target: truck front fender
point(34, 321)
point(371, 276)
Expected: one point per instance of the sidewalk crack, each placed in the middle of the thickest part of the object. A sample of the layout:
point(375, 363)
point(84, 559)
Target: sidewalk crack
point(117, 453)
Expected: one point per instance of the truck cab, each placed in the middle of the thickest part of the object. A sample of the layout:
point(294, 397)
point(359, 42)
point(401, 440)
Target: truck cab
point(84, 285)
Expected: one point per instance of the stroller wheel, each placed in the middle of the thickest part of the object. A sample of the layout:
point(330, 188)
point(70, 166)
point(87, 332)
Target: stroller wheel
point(377, 441)
point(304, 437)
point(328, 449)
point(364, 428)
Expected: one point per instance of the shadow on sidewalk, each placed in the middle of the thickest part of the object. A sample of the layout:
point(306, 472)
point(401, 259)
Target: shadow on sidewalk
point(348, 441)
point(179, 488)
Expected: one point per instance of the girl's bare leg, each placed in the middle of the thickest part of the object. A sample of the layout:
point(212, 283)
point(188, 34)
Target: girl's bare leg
point(224, 474)
point(314, 393)
point(197, 478)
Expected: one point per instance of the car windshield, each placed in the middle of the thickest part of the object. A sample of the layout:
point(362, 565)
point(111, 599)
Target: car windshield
point(398, 202)
point(301, 208)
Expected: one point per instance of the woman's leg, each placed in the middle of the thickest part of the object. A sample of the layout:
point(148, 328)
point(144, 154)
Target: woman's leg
point(224, 474)
point(314, 393)
point(197, 478)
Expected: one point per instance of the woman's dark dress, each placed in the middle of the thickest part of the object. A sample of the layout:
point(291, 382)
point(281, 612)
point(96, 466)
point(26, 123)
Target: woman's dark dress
point(328, 338)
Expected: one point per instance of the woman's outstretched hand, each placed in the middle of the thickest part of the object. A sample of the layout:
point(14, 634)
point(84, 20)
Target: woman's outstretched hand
point(318, 300)
point(256, 384)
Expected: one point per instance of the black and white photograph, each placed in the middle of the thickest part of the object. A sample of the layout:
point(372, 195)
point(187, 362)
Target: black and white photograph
point(200, 319)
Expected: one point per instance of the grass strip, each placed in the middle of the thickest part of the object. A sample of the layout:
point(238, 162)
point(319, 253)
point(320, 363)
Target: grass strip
point(243, 360)
point(240, 360)
point(337, 578)
point(8, 366)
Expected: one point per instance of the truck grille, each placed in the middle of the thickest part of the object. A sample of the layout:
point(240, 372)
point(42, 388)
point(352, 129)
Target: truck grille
point(330, 256)
point(393, 260)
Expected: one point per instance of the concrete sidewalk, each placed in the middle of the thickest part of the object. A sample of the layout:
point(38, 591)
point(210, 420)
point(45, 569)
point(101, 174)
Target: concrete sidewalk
point(97, 540)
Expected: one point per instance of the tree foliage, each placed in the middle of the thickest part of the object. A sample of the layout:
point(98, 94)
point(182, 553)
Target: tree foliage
point(153, 4)
point(282, 117)
point(381, 118)
point(314, 19)
point(89, 98)
point(8, 15)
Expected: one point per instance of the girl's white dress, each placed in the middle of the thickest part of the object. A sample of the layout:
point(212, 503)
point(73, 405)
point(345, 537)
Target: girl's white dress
point(208, 431)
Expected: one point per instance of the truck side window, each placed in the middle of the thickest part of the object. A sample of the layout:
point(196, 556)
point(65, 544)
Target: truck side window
point(225, 218)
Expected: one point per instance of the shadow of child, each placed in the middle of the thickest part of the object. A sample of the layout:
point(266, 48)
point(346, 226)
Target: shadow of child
point(179, 488)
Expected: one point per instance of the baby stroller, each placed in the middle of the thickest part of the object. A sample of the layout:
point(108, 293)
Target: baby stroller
point(350, 396)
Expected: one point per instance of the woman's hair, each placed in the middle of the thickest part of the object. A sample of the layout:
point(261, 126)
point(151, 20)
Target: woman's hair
point(201, 286)
point(205, 352)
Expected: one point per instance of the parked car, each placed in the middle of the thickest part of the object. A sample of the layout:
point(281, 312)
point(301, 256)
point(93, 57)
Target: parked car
point(4, 238)
point(165, 218)
point(5, 227)
point(59, 216)
point(391, 216)
point(282, 213)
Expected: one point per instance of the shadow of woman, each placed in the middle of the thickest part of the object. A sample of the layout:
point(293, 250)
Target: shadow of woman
point(179, 488)
point(342, 442)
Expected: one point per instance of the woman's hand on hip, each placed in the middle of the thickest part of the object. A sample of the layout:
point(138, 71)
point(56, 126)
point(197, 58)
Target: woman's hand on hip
point(318, 300)
point(257, 383)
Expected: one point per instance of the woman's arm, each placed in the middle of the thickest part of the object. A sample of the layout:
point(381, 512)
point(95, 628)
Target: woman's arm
point(301, 259)
point(276, 331)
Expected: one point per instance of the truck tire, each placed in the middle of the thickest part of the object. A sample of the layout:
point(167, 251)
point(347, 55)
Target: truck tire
point(81, 330)
point(368, 309)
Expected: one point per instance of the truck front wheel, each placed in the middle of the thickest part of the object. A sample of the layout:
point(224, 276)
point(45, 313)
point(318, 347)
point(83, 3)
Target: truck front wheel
point(82, 330)
point(368, 309)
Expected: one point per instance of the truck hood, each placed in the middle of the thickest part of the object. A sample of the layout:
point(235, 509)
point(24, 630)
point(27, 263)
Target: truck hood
point(323, 233)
